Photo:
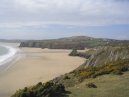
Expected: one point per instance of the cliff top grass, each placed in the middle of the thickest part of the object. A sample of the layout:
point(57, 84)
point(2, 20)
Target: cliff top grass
point(107, 86)
point(115, 67)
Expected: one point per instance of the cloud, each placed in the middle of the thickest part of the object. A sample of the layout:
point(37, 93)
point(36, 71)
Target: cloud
point(71, 12)
point(39, 15)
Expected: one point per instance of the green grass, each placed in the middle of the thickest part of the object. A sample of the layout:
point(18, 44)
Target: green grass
point(108, 86)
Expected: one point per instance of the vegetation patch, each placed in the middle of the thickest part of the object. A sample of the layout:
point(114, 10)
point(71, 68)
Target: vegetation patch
point(116, 67)
point(91, 85)
point(48, 89)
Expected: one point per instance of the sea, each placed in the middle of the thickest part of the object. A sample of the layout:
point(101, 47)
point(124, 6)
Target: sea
point(3, 50)
point(7, 54)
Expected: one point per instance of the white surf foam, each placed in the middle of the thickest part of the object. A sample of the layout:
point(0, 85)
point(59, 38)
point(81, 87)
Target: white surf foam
point(7, 57)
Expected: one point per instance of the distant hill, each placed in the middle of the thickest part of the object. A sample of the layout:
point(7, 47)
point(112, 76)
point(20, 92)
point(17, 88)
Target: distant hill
point(11, 41)
point(78, 42)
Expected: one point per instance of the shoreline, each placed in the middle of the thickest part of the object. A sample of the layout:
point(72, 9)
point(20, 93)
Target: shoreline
point(10, 58)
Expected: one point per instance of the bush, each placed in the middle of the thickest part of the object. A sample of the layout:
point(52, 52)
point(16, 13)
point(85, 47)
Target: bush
point(116, 67)
point(66, 77)
point(124, 68)
point(91, 85)
point(48, 89)
point(117, 72)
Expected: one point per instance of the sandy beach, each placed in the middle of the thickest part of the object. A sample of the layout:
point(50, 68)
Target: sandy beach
point(38, 65)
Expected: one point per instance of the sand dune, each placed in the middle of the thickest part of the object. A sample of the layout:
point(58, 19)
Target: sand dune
point(37, 65)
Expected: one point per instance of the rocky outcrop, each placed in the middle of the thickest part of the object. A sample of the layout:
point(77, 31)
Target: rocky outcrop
point(105, 55)
point(80, 54)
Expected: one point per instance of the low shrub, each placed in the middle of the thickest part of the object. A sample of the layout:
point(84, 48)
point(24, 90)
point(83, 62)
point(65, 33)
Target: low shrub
point(91, 85)
point(117, 72)
point(66, 77)
point(117, 67)
point(48, 89)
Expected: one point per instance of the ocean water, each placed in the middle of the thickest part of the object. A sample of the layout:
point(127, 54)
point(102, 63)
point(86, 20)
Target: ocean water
point(6, 54)
point(3, 50)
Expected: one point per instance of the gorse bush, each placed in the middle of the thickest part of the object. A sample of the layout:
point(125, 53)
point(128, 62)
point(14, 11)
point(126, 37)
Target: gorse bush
point(116, 67)
point(48, 89)
point(91, 85)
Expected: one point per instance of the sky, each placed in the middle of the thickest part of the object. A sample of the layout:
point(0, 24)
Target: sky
point(47, 19)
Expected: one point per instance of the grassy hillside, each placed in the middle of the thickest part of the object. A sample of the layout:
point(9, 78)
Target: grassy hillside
point(107, 86)
point(48, 89)
point(108, 60)
point(79, 75)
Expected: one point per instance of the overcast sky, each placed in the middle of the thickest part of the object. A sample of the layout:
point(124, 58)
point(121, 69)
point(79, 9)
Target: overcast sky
point(43, 19)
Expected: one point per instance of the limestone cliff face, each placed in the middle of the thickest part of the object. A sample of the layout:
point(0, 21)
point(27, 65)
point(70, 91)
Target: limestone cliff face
point(105, 55)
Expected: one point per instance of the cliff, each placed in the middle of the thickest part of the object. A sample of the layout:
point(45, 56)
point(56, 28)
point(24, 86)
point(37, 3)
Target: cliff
point(105, 55)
